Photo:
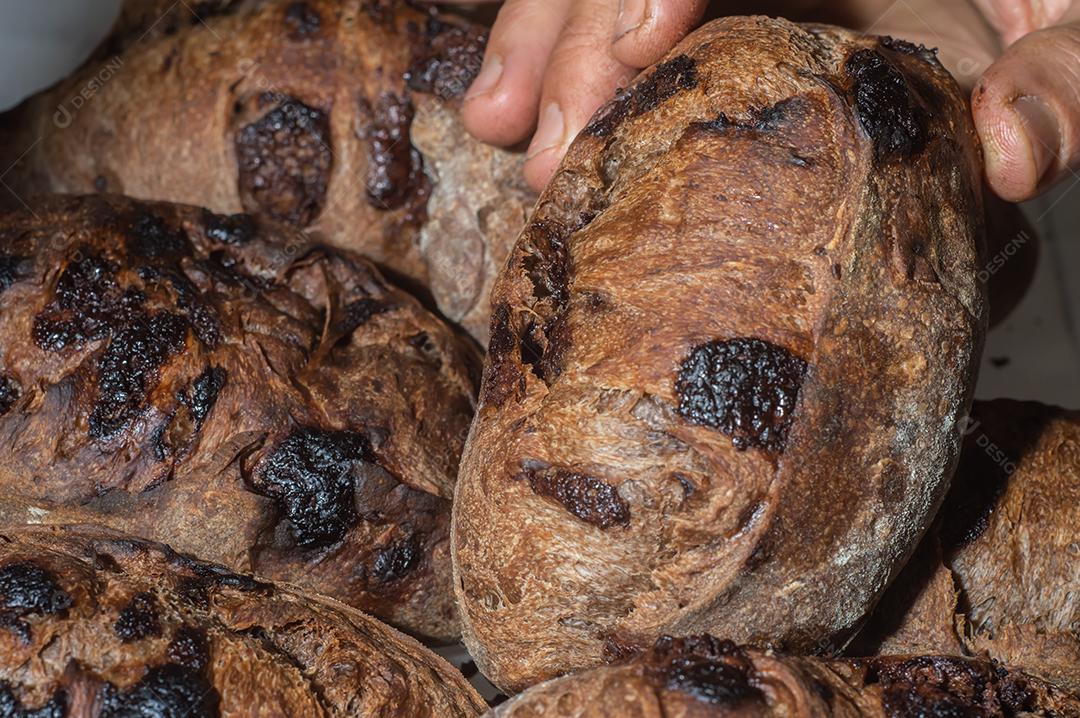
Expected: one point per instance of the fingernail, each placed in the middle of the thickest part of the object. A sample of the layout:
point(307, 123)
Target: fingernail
point(550, 131)
point(1041, 128)
point(490, 72)
point(631, 16)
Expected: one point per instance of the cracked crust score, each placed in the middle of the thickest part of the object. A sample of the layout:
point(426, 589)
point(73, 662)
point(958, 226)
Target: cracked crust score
point(236, 390)
point(728, 356)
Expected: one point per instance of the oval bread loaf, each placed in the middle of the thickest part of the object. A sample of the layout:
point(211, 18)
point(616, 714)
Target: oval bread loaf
point(999, 573)
point(702, 676)
point(100, 624)
point(340, 117)
point(728, 356)
point(236, 390)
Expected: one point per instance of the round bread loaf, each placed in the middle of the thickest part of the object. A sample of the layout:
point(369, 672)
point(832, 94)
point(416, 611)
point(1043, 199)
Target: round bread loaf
point(299, 112)
point(235, 390)
point(98, 624)
point(999, 573)
point(701, 676)
point(728, 358)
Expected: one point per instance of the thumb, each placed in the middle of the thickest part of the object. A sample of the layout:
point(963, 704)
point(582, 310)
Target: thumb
point(1026, 108)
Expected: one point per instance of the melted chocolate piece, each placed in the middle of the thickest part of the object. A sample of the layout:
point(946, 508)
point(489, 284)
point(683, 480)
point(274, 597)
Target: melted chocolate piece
point(301, 21)
point(395, 169)
point(11, 707)
point(885, 105)
point(590, 499)
point(12, 269)
point(234, 229)
point(9, 393)
point(311, 475)
point(285, 159)
point(745, 387)
point(28, 590)
point(667, 80)
point(446, 60)
point(710, 670)
point(189, 648)
point(139, 619)
point(168, 691)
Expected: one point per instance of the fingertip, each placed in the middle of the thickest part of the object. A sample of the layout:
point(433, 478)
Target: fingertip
point(647, 29)
point(502, 116)
point(540, 167)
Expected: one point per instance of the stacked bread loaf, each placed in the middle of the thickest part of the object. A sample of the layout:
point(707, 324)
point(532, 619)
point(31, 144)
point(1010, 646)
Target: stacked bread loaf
point(713, 464)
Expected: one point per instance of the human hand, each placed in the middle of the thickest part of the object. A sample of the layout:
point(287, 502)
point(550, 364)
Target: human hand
point(551, 63)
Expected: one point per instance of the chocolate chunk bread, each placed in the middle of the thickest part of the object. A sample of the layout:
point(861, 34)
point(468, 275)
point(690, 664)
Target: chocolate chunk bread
point(999, 573)
point(235, 390)
point(337, 117)
point(95, 623)
point(702, 676)
point(728, 356)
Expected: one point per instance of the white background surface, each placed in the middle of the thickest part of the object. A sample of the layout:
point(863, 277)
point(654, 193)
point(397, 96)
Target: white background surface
point(41, 40)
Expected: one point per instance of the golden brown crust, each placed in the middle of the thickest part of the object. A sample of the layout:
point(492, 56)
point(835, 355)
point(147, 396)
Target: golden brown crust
point(97, 623)
point(998, 574)
point(728, 355)
point(300, 112)
point(700, 676)
point(235, 389)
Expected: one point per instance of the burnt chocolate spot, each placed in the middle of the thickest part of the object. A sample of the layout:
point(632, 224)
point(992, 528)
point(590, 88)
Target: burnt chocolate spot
point(502, 377)
point(397, 560)
point(150, 237)
point(762, 119)
point(12, 707)
point(909, 48)
point(311, 475)
point(9, 393)
point(744, 387)
point(234, 229)
point(446, 59)
point(395, 169)
point(547, 264)
point(167, 691)
point(12, 269)
point(591, 499)
point(301, 21)
point(285, 161)
point(87, 303)
point(203, 393)
point(887, 110)
point(359, 312)
point(28, 590)
point(130, 366)
point(668, 79)
point(189, 648)
point(710, 670)
point(139, 619)
point(948, 687)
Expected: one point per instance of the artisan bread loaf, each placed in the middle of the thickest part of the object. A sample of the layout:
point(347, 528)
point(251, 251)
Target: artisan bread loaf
point(236, 390)
point(101, 624)
point(728, 356)
point(702, 676)
point(300, 112)
point(999, 573)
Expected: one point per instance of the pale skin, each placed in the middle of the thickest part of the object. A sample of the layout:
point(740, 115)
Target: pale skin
point(551, 63)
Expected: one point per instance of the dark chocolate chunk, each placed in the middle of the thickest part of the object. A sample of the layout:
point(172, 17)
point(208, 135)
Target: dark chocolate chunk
point(12, 707)
point(235, 229)
point(9, 393)
point(704, 667)
point(285, 160)
point(27, 590)
point(745, 387)
point(168, 691)
point(301, 20)
point(311, 475)
point(149, 236)
point(397, 560)
point(887, 110)
point(12, 270)
point(203, 393)
point(590, 499)
point(667, 80)
point(446, 59)
point(139, 619)
point(948, 687)
point(189, 648)
point(395, 169)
